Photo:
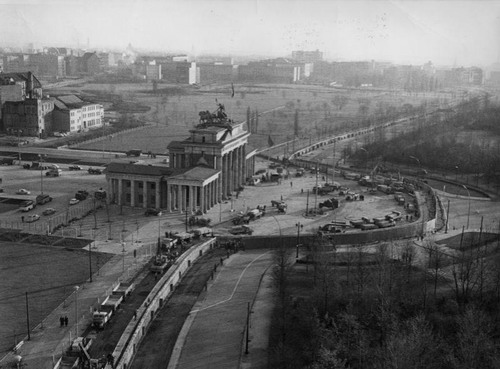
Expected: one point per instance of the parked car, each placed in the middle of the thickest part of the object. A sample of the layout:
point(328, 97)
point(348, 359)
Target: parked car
point(43, 199)
point(74, 201)
point(81, 195)
point(23, 191)
point(152, 211)
point(100, 194)
point(32, 218)
point(27, 205)
point(241, 229)
point(49, 211)
point(53, 173)
point(94, 171)
point(75, 167)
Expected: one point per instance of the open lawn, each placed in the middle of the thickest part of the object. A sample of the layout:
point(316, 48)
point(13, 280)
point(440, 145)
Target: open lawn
point(47, 274)
point(173, 110)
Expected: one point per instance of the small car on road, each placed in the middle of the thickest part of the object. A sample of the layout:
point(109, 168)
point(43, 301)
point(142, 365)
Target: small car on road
point(32, 218)
point(75, 167)
point(49, 211)
point(152, 211)
point(241, 229)
point(74, 201)
point(22, 191)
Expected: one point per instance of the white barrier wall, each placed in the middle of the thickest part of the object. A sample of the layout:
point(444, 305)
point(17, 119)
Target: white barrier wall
point(136, 329)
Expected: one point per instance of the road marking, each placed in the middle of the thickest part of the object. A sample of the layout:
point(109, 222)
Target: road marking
point(235, 287)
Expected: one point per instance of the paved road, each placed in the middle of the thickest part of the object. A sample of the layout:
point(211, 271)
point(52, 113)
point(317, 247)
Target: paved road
point(156, 347)
point(213, 335)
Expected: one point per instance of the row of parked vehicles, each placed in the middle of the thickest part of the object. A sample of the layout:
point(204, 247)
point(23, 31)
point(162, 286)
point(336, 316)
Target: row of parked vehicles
point(389, 220)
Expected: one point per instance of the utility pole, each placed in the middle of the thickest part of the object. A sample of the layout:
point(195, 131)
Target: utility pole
point(307, 204)
point(447, 217)
point(316, 192)
point(28, 317)
point(333, 163)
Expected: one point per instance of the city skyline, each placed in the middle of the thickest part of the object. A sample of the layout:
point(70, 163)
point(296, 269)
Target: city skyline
point(445, 32)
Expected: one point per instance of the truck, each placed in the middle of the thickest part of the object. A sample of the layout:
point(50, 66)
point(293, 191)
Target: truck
point(329, 229)
point(241, 229)
point(254, 214)
point(202, 232)
point(112, 300)
point(102, 316)
point(134, 152)
point(123, 289)
point(160, 264)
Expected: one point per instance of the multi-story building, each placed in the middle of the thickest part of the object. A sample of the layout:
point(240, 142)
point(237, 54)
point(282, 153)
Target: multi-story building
point(207, 167)
point(71, 114)
point(153, 72)
point(48, 65)
point(16, 87)
point(29, 117)
point(210, 72)
point(273, 71)
point(89, 64)
point(176, 72)
point(307, 56)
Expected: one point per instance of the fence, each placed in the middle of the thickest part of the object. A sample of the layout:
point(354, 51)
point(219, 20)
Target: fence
point(136, 329)
point(72, 213)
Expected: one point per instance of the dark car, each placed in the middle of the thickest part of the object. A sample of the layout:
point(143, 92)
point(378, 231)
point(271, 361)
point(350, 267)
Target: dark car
point(94, 171)
point(152, 211)
point(75, 167)
point(81, 195)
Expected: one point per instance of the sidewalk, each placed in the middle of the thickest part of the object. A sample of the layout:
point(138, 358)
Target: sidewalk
point(214, 332)
point(49, 340)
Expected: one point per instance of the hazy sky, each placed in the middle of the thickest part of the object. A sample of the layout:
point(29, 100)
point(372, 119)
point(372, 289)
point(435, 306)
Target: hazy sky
point(446, 32)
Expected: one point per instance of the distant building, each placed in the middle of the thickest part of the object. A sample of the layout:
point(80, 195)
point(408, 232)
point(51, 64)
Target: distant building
point(71, 114)
point(210, 73)
point(153, 72)
point(176, 72)
point(194, 74)
point(48, 65)
point(90, 64)
point(272, 71)
point(307, 56)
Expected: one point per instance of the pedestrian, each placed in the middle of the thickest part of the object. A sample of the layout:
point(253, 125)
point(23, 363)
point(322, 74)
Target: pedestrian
point(291, 184)
point(301, 190)
point(66, 320)
point(22, 219)
point(135, 314)
point(61, 320)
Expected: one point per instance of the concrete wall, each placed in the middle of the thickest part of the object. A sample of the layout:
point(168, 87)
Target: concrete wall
point(136, 329)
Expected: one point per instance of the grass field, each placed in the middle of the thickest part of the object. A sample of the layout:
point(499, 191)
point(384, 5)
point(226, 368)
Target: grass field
point(48, 274)
point(173, 110)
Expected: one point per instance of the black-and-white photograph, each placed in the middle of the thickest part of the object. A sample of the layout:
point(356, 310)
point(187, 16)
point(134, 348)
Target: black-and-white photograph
point(249, 184)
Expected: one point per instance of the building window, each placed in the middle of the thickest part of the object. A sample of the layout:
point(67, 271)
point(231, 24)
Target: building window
point(140, 185)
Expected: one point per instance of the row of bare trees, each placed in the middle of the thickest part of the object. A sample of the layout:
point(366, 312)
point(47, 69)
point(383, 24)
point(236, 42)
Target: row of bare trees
point(393, 305)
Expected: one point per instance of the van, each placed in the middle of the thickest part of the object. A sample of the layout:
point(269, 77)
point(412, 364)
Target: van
point(53, 173)
point(43, 199)
point(27, 205)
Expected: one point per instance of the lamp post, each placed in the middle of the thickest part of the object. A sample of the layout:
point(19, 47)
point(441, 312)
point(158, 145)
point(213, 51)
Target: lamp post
point(19, 131)
point(299, 226)
point(456, 173)
point(76, 308)
point(366, 162)
point(416, 159)
point(468, 211)
point(40, 159)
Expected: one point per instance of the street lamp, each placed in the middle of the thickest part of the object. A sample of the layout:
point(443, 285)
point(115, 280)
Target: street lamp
point(416, 159)
point(468, 211)
point(76, 308)
point(366, 162)
point(299, 226)
point(456, 173)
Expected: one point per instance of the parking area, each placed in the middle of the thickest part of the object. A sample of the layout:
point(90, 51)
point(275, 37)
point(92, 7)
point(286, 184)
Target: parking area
point(61, 189)
point(297, 194)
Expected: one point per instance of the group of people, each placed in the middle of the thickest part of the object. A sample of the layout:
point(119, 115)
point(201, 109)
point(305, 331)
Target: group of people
point(64, 321)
